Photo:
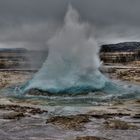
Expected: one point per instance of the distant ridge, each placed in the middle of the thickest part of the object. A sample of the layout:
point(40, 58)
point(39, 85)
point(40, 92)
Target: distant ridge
point(121, 47)
point(17, 50)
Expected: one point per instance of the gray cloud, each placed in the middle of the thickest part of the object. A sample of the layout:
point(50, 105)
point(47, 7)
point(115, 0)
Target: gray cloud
point(97, 11)
point(34, 21)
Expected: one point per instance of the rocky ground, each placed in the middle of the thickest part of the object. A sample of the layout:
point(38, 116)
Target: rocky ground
point(22, 119)
point(10, 78)
point(126, 72)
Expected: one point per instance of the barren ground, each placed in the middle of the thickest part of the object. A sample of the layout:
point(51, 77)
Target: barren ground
point(31, 120)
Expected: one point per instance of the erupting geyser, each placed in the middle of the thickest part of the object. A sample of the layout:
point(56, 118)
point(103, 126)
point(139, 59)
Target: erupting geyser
point(72, 63)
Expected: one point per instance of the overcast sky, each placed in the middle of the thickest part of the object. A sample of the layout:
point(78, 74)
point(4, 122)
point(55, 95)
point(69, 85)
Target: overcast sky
point(29, 23)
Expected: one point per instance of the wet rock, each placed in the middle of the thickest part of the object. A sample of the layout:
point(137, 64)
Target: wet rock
point(75, 122)
point(118, 124)
point(37, 92)
point(136, 116)
point(37, 111)
point(90, 138)
point(13, 115)
point(108, 115)
point(101, 116)
point(138, 101)
point(23, 109)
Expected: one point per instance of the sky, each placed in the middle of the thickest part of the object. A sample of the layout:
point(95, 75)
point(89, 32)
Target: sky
point(30, 23)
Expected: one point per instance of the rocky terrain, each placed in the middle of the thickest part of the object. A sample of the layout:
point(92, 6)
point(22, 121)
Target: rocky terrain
point(28, 120)
point(122, 61)
point(120, 53)
point(31, 119)
point(21, 59)
point(34, 119)
point(128, 72)
point(11, 78)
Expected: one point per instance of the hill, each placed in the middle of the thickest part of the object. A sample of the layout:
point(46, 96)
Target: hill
point(121, 47)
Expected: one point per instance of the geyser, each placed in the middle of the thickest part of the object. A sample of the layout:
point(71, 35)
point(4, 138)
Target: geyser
point(72, 63)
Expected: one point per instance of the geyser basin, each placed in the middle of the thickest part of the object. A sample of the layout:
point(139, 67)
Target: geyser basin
point(72, 64)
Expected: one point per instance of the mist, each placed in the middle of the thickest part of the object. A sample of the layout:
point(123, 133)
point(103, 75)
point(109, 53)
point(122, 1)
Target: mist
point(72, 63)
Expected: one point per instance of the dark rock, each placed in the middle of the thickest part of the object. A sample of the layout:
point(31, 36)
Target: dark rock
point(70, 122)
point(23, 109)
point(138, 101)
point(108, 115)
point(72, 91)
point(90, 138)
point(37, 111)
point(13, 115)
point(136, 116)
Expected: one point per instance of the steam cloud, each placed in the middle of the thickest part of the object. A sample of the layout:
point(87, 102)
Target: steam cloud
point(73, 62)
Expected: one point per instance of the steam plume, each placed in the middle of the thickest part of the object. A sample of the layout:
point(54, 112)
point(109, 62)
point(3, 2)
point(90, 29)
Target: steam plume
point(73, 62)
